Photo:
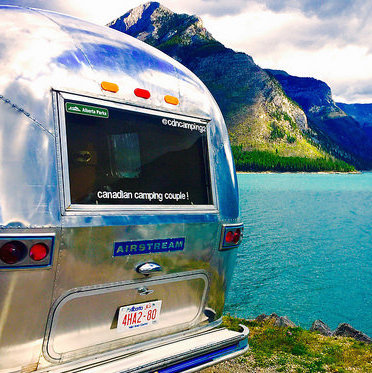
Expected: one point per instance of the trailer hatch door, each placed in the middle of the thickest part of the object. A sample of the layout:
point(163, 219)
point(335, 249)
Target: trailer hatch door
point(86, 320)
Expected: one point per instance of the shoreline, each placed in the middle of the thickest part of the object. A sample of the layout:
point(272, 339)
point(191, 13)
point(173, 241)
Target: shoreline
point(303, 172)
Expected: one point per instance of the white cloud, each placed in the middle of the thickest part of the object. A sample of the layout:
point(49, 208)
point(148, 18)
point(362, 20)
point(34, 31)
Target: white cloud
point(102, 11)
point(307, 38)
point(96, 11)
point(339, 53)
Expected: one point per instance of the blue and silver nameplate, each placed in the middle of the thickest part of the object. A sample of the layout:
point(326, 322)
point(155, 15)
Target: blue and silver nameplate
point(148, 246)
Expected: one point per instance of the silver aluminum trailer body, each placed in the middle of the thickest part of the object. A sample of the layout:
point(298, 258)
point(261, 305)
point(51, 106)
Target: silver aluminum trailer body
point(119, 217)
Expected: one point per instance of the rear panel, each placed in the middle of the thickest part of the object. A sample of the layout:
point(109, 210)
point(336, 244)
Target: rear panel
point(117, 160)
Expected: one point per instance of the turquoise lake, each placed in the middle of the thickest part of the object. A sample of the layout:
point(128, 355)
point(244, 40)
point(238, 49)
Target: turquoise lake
point(307, 249)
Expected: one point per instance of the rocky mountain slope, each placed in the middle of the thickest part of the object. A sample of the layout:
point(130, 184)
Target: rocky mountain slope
point(258, 113)
point(340, 133)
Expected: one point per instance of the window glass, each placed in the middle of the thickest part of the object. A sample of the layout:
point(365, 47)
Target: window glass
point(123, 157)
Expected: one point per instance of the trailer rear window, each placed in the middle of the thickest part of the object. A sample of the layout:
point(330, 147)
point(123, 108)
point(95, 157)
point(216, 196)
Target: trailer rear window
point(132, 158)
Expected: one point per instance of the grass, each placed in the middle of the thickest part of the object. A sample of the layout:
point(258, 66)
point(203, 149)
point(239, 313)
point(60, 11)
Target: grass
point(276, 349)
point(267, 161)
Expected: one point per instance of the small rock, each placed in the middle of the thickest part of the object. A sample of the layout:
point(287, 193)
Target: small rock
point(261, 318)
point(280, 321)
point(320, 327)
point(284, 322)
point(346, 330)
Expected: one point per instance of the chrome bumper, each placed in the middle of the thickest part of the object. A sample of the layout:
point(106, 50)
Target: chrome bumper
point(190, 354)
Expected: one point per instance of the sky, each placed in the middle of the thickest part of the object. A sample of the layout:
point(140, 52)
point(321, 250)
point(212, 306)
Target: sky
point(326, 39)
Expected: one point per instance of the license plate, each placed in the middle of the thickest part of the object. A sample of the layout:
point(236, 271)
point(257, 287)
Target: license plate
point(138, 315)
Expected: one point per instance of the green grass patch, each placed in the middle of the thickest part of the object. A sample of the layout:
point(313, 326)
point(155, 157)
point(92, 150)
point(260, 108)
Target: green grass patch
point(299, 350)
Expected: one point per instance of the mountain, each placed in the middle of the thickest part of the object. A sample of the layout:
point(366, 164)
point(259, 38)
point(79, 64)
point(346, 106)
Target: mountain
point(341, 134)
point(259, 114)
point(362, 113)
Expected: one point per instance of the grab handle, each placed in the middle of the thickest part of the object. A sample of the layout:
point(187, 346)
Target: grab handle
point(148, 267)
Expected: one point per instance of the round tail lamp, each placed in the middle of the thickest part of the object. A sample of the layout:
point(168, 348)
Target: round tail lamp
point(39, 251)
point(13, 252)
point(236, 237)
point(229, 238)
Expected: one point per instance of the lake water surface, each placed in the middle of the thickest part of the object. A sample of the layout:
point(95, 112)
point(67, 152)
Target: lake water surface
point(307, 249)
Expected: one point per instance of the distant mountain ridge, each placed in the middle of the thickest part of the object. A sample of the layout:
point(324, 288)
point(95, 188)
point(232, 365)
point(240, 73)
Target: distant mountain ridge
point(312, 94)
point(333, 125)
point(259, 113)
point(362, 113)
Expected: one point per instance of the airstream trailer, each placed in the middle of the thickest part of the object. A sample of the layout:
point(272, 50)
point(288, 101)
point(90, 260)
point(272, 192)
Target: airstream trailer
point(119, 204)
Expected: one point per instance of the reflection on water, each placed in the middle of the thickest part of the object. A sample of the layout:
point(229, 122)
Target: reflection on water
point(307, 251)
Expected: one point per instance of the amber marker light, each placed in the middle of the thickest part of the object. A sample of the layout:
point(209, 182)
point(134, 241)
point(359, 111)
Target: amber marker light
point(171, 100)
point(139, 92)
point(110, 87)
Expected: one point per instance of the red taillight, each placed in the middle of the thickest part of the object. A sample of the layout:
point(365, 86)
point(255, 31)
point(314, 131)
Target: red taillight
point(233, 236)
point(26, 251)
point(236, 237)
point(39, 251)
point(13, 252)
point(229, 237)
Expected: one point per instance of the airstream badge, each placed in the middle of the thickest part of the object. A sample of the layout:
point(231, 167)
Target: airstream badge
point(148, 246)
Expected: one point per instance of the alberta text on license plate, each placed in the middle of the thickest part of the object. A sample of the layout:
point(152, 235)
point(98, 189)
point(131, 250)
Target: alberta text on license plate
point(138, 315)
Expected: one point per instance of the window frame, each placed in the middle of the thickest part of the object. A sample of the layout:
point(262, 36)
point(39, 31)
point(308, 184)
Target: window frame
point(69, 208)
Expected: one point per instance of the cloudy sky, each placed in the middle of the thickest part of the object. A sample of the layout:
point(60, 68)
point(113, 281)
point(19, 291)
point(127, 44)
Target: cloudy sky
point(326, 39)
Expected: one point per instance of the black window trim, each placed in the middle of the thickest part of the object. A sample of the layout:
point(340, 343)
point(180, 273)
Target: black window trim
point(68, 208)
